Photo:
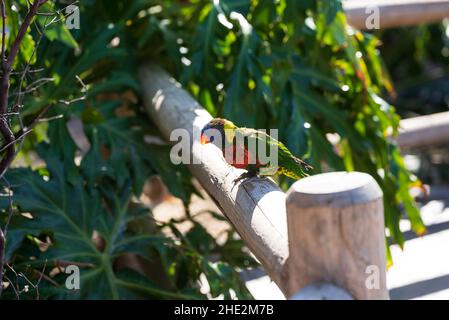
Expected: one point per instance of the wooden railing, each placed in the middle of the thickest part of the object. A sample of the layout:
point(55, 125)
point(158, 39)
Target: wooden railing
point(395, 13)
point(323, 239)
point(424, 131)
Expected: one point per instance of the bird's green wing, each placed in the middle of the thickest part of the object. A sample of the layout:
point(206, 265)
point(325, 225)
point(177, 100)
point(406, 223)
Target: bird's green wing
point(287, 163)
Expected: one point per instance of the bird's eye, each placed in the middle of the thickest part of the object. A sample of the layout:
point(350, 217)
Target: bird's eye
point(212, 139)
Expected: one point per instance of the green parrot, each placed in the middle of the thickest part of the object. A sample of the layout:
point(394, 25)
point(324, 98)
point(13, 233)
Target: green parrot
point(237, 141)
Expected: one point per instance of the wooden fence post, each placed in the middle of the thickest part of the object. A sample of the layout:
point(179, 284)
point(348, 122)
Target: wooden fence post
point(336, 235)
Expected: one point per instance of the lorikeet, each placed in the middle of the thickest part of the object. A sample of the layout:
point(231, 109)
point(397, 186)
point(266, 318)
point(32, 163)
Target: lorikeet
point(287, 163)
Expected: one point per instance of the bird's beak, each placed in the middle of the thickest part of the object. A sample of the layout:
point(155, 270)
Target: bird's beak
point(203, 139)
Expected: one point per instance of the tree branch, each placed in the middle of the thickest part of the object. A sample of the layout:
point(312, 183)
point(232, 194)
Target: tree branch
point(3, 13)
point(5, 129)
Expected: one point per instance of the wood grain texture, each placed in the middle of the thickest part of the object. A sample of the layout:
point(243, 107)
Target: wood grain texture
point(336, 231)
point(256, 208)
point(395, 13)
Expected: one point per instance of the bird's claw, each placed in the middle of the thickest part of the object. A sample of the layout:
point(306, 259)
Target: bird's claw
point(243, 176)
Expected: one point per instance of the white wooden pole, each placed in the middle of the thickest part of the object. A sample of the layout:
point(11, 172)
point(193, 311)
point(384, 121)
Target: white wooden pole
point(395, 13)
point(424, 131)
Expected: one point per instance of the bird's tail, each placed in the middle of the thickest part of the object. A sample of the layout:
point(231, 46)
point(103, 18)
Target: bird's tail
point(300, 171)
point(303, 164)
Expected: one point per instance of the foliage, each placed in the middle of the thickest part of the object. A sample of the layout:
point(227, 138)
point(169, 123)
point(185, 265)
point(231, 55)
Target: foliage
point(417, 60)
point(78, 209)
point(292, 65)
point(67, 210)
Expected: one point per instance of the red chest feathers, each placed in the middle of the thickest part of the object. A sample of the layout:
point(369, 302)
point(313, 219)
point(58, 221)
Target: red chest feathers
point(239, 158)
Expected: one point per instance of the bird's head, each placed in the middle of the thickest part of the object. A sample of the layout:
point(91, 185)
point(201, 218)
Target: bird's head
point(214, 127)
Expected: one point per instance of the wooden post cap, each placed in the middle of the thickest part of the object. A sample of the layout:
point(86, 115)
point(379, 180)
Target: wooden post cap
point(336, 234)
point(335, 189)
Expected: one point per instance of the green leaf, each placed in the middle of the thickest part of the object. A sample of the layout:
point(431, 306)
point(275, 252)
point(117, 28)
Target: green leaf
point(69, 214)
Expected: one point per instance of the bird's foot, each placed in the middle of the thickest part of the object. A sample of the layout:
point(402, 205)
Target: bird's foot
point(246, 175)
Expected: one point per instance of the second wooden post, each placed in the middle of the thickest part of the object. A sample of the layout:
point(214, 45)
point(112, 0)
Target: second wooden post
point(336, 234)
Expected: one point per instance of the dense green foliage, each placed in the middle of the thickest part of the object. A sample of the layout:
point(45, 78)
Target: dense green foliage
point(292, 65)
point(416, 58)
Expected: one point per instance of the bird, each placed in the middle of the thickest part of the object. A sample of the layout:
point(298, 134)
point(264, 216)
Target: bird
point(230, 142)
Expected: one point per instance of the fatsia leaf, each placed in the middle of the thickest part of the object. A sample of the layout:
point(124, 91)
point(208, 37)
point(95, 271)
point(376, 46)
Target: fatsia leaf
point(120, 138)
point(70, 214)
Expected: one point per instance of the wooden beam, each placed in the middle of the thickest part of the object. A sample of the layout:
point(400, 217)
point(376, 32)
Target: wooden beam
point(396, 13)
point(424, 131)
point(256, 208)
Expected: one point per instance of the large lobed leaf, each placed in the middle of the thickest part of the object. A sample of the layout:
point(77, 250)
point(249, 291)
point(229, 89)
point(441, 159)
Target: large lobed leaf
point(70, 214)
